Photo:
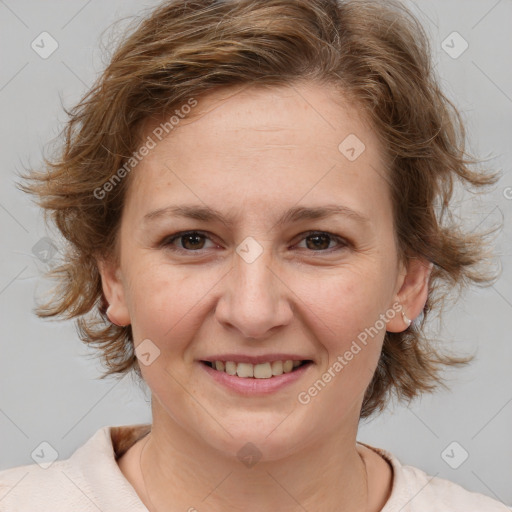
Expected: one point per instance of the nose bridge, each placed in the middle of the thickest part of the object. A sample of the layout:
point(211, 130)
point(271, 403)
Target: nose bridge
point(253, 301)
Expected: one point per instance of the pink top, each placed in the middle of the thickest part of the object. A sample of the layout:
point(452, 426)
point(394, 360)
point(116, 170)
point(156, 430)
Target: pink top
point(91, 481)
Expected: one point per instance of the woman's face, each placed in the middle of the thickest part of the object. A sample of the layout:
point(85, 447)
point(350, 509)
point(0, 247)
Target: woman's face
point(266, 282)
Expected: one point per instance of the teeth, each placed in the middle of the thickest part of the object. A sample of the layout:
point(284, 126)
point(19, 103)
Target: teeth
point(277, 367)
point(262, 371)
point(288, 366)
point(257, 371)
point(230, 367)
point(244, 370)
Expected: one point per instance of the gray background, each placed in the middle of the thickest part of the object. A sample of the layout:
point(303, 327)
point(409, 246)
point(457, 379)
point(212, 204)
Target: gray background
point(49, 380)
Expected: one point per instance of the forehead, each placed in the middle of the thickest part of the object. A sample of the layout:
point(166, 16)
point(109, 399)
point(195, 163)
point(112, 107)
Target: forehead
point(264, 146)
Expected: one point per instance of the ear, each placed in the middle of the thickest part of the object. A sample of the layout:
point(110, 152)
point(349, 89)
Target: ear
point(114, 291)
point(412, 294)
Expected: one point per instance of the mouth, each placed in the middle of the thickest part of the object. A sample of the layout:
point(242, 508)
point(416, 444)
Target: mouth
point(266, 370)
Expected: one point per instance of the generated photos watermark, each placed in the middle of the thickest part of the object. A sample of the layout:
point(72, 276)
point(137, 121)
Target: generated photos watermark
point(305, 397)
point(150, 143)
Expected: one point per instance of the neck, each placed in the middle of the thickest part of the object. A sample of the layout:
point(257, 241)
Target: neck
point(182, 471)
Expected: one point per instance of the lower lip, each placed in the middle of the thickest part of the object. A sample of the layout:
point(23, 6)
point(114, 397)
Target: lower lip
point(251, 386)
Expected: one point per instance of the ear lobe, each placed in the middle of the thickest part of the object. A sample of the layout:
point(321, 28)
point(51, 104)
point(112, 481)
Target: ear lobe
point(113, 290)
point(413, 293)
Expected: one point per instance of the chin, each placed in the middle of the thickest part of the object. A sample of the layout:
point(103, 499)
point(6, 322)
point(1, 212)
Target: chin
point(266, 438)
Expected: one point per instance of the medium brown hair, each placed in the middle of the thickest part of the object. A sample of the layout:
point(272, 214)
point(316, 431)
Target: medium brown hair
point(375, 53)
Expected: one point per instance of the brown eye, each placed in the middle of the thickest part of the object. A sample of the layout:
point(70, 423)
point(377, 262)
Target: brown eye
point(194, 241)
point(188, 242)
point(318, 241)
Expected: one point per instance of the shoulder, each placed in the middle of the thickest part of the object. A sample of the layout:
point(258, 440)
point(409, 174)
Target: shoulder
point(413, 490)
point(31, 486)
point(90, 480)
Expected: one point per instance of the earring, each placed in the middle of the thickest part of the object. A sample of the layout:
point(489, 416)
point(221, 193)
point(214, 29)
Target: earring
point(408, 321)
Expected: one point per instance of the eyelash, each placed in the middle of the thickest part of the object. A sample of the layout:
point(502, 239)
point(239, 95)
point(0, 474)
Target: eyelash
point(168, 241)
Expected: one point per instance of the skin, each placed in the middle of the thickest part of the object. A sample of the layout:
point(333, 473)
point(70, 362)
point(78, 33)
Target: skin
point(253, 153)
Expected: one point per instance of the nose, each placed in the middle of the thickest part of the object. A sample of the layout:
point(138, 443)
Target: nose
point(256, 300)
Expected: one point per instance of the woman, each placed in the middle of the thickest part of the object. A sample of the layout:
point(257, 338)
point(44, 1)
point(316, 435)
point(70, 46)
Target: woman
point(253, 195)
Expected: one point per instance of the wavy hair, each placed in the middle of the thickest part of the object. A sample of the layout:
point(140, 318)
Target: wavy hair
point(375, 53)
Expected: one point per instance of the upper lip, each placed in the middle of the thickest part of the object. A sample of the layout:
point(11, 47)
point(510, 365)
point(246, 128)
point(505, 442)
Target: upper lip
point(265, 358)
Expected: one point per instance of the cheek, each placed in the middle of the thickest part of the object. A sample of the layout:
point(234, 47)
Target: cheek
point(333, 306)
point(345, 302)
point(343, 315)
point(161, 300)
point(170, 305)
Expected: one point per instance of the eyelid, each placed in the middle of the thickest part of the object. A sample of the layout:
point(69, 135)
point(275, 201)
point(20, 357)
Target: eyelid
point(168, 240)
point(341, 240)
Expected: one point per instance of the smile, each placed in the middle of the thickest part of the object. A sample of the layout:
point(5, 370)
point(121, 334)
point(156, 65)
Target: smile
point(256, 371)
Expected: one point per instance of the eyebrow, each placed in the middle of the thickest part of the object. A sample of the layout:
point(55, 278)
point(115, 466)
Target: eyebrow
point(295, 214)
